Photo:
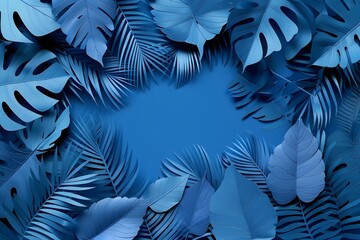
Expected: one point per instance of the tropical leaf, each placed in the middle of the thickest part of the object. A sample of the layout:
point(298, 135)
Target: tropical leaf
point(107, 83)
point(34, 14)
point(108, 158)
point(296, 167)
point(239, 210)
point(250, 157)
point(41, 134)
point(44, 212)
point(337, 40)
point(87, 24)
point(28, 78)
point(16, 164)
point(194, 208)
point(162, 226)
point(165, 193)
point(112, 218)
point(259, 92)
point(138, 43)
point(255, 26)
point(196, 163)
point(192, 22)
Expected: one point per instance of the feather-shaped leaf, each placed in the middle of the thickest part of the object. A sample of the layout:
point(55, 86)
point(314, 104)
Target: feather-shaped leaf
point(194, 21)
point(337, 41)
point(255, 26)
point(239, 210)
point(296, 167)
point(15, 166)
point(107, 83)
point(34, 14)
point(165, 193)
point(196, 163)
point(44, 212)
point(112, 218)
point(87, 24)
point(138, 43)
point(194, 208)
point(108, 158)
point(250, 157)
point(41, 134)
point(23, 76)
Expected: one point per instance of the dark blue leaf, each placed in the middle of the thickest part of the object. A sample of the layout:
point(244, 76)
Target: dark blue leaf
point(194, 208)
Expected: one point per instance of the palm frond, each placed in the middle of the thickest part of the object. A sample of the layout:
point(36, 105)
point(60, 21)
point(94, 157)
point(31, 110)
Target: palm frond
point(195, 162)
point(109, 159)
point(138, 43)
point(44, 213)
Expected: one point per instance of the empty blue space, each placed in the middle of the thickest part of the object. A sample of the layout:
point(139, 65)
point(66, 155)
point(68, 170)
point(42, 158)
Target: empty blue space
point(163, 120)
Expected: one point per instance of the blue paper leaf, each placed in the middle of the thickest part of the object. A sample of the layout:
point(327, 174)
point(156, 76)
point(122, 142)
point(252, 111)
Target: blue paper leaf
point(87, 24)
point(337, 40)
point(239, 210)
point(296, 167)
point(24, 75)
point(34, 14)
point(191, 21)
point(112, 218)
point(194, 208)
point(165, 193)
point(253, 28)
point(41, 134)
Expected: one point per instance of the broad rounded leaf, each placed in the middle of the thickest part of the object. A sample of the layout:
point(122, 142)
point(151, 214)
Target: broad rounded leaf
point(296, 167)
point(87, 24)
point(337, 42)
point(191, 21)
point(239, 210)
point(112, 218)
point(194, 208)
point(253, 28)
point(35, 15)
point(165, 193)
point(25, 74)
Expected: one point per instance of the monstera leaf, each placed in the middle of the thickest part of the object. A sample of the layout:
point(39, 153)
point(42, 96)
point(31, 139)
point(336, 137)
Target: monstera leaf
point(41, 134)
point(296, 167)
point(34, 14)
point(337, 42)
point(191, 21)
point(165, 193)
point(112, 218)
point(253, 28)
point(26, 79)
point(239, 210)
point(87, 23)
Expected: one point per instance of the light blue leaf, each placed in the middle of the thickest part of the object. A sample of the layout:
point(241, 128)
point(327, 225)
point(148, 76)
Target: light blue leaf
point(165, 193)
point(191, 21)
point(87, 24)
point(112, 218)
point(296, 167)
point(239, 210)
point(41, 134)
point(34, 14)
point(253, 28)
point(337, 40)
point(194, 208)
point(23, 77)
